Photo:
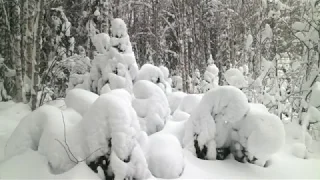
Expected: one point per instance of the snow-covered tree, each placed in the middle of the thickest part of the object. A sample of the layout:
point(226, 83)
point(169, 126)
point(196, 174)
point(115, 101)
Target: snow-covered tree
point(211, 78)
point(114, 67)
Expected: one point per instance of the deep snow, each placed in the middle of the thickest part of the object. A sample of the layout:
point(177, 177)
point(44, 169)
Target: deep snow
point(32, 165)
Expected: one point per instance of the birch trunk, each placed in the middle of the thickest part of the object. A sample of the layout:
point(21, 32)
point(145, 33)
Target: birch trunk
point(38, 48)
point(16, 38)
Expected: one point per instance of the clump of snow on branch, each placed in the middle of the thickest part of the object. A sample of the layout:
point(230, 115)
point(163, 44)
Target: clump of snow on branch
point(159, 76)
point(151, 106)
point(234, 77)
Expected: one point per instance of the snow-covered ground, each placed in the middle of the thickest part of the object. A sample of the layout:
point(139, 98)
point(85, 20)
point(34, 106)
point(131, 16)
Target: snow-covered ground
point(32, 165)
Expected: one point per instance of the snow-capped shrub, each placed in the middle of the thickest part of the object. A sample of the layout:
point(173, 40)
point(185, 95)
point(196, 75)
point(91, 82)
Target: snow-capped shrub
point(165, 156)
point(156, 75)
point(257, 136)
point(299, 150)
point(151, 106)
point(208, 129)
point(175, 99)
point(111, 128)
point(234, 77)
point(80, 100)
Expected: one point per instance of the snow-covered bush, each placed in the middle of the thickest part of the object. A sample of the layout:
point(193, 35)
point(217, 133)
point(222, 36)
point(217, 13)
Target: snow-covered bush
point(299, 150)
point(164, 156)
point(257, 136)
point(159, 76)
point(80, 100)
point(111, 128)
point(151, 106)
point(208, 129)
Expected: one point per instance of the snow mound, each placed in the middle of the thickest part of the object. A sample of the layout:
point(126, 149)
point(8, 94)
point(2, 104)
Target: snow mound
point(28, 133)
point(261, 134)
point(299, 150)
point(53, 140)
point(151, 106)
point(80, 100)
point(175, 99)
point(165, 156)
point(209, 125)
point(41, 130)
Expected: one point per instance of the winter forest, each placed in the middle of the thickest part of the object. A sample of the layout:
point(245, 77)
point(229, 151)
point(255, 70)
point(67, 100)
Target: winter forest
point(159, 89)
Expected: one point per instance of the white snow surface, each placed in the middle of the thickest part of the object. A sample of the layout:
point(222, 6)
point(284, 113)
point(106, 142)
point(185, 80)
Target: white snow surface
point(32, 165)
point(165, 156)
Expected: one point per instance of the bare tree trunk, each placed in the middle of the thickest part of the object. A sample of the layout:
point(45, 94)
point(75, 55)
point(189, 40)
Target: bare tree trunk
point(38, 51)
point(16, 50)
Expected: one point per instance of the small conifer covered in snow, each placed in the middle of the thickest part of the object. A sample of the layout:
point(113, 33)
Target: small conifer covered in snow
point(211, 78)
point(115, 66)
